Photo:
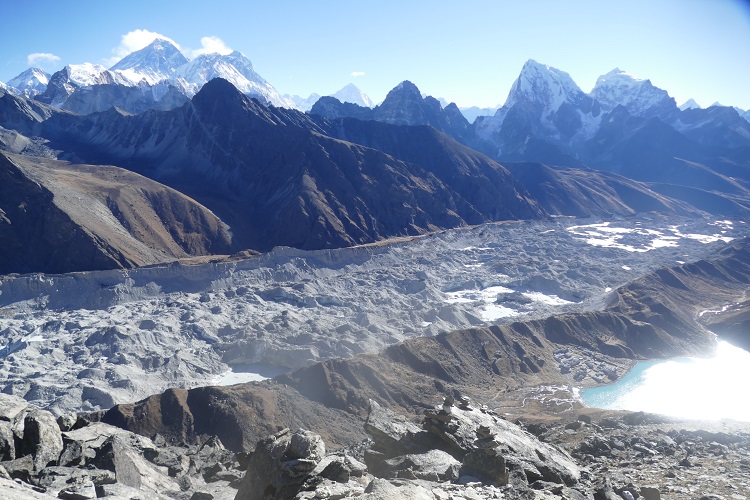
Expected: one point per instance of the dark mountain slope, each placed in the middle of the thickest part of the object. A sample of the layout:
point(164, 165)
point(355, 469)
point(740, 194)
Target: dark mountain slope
point(58, 217)
point(274, 176)
point(489, 187)
point(558, 191)
point(584, 192)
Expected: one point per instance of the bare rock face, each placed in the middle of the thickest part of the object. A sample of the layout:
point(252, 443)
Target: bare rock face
point(280, 465)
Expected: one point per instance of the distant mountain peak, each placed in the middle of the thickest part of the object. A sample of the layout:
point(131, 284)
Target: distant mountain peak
point(234, 67)
point(639, 96)
point(30, 83)
point(156, 62)
point(690, 104)
point(351, 93)
point(543, 84)
point(406, 86)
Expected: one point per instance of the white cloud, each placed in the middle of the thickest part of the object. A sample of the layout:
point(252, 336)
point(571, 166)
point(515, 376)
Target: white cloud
point(355, 74)
point(132, 41)
point(210, 45)
point(41, 59)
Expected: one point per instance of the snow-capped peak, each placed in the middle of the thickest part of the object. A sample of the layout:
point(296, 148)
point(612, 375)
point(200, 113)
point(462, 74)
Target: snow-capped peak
point(690, 104)
point(637, 95)
point(154, 63)
point(351, 93)
point(543, 84)
point(31, 82)
point(92, 74)
point(235, 68)
point(300, 103)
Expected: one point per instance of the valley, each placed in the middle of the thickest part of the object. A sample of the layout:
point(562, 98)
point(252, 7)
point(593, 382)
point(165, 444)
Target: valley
point(210, 290)
point(119, 336)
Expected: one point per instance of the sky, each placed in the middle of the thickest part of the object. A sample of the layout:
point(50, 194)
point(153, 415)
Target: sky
point(466, 52)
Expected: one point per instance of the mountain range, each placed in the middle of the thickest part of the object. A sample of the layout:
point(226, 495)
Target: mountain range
point(346, 173)
point(494, 268)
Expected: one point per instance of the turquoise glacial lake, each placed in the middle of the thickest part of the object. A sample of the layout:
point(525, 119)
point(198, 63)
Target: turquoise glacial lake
point(708, 388)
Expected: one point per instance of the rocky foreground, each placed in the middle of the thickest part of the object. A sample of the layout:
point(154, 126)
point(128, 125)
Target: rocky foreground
point(459, 450)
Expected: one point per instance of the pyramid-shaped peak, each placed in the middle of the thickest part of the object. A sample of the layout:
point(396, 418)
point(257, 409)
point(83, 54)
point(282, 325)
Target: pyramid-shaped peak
point(351, 93)
point(219, 93)
point(153, 63)
point(217, 87)
point(543, 84)
point(406, 86)
point(163, 42)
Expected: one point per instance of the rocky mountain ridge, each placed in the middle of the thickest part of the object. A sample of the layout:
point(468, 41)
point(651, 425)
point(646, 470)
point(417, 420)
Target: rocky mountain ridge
point(61, 217)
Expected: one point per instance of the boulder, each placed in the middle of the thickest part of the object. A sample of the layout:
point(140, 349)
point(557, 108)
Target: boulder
point(342, 468)
point(11, 407)
point(465, 430)
point(7, 441)
point(280, 464)
point(434, 465)
point(382, 489)
point(20, 468)
point(392, 433)
point(41, 438)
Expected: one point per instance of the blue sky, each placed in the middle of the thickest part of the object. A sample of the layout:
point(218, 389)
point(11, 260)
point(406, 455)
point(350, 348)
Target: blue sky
point(468, 52)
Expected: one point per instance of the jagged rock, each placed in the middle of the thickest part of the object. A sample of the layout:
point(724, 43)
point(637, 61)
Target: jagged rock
point(434, 465)
point(67, 421)
point(20, 468)
point(280, 464)
point(80, 489)
point(335, 491)
point(175, 460)
point(72, 453)
point(489, 466)
point(41, 438)
point(392, 433)
point(342, 468)
point(19, 491)
point(11, 407)
point(461, 433)
point(96, 444)
point(381, 489)
point(7, 443)
point(119, 490)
